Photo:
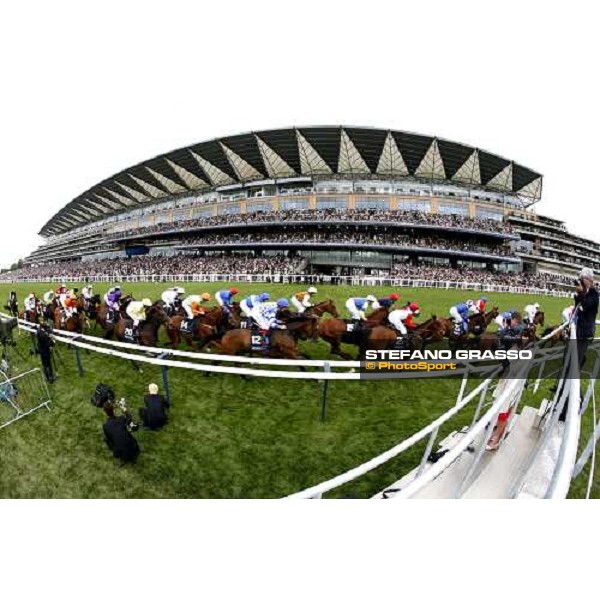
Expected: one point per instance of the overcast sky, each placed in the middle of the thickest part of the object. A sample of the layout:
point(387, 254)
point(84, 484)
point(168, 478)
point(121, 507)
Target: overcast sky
point(89, 91)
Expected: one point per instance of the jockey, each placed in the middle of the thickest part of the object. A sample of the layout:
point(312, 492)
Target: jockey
point(303, 300)
point(251, 304)
point(69, 304)
point(49, 297)
point(402, 318)
point(224, 298)
point(61, 289)
point(358, 306)
point(388, 301)
point(88, 291)
point(503, 320)
point(171, 298)
point(193, 305)
point(567, 314)
point(30, 302)
point(477, 307)
point(460, 316)
point(136, 310)
point(266, 314)
point(112, 299)
point(530, 311)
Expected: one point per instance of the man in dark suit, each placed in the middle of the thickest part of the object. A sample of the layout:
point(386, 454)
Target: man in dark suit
point(586, 311)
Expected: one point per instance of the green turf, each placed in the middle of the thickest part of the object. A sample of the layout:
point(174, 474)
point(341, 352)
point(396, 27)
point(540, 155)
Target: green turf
point(229, 438)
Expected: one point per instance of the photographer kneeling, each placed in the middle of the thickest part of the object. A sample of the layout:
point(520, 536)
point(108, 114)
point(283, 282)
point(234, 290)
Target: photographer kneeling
point(117, 433)
point(154, 414)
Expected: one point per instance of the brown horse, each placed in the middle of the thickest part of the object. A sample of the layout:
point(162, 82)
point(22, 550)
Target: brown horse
point(334, 331)
point(147, 334)
point(325, 307)
point(103, 313)
point(239, 341)
point(205, 328)
point(75, 323)
point(32, 316)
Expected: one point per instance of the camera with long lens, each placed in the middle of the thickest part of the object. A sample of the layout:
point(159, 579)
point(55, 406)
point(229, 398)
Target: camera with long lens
point(6, 328)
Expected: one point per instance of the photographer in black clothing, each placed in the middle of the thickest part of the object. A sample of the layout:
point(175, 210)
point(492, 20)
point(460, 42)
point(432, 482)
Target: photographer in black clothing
point(586, 312)
point(154, 414)
point(44, 348)
point(118, 437)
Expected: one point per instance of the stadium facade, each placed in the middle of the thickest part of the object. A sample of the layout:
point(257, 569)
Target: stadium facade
point(342, 199)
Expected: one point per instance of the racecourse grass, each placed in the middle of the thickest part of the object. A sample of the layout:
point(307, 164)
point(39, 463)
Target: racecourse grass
point(228, 437)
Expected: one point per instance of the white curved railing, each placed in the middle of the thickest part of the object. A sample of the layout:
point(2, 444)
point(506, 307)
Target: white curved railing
point(292, 278)
point(564, 466)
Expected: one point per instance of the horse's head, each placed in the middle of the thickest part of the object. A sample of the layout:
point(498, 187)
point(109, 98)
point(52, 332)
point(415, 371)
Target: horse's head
point(156, 313)
point(326, 306)
point(539, 318)
point(492, 314)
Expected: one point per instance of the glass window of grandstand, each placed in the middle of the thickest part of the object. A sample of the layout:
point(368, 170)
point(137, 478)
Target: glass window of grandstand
point(335, 203)
point(202, 213)
point(299, 204)
point(409, 204)
point(454, 208)
point(376, 203)
point(259, 206)
point(180, 215)
point(229, 209)
point(488, 213)
point(163, 217)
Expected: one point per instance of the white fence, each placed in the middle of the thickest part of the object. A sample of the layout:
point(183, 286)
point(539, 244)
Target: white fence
point(563, 469)
point(295, 279)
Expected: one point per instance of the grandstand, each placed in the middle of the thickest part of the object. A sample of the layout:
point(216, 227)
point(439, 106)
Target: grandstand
point(317, 200)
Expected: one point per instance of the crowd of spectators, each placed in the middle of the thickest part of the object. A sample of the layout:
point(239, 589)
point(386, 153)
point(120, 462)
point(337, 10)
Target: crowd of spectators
point(160, 265)
point(272, 265)
point(351, 236)
point(442, 273)
point(328, 214)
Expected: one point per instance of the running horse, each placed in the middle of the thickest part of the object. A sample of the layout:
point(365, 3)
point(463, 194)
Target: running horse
point(102, 318)
point(334, 331)
point(32, 316)
point(75, 323)
point(239, 341)
point(147, 334)
point(205, 328)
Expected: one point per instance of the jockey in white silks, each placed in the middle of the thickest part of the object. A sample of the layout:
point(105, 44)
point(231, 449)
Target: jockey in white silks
point(357, 307)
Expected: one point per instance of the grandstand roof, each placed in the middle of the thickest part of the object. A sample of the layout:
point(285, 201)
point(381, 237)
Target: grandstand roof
point(323, 152)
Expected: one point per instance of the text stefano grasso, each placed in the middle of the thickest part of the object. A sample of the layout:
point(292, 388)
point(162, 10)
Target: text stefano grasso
point(449, 354)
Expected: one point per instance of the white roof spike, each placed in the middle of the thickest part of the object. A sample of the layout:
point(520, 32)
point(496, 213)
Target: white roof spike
point(431, 166)
point(216, 176)
point(391, 161)
point(533, 189)
point(171, 185)
point(276, 166)
point(111, 203)
point(503, 180)
point(133, 193)
point(148, 187)
point(123, 199)
point(469, 171)
point(350, 160)
point(243, 169)
point(310, 161)
point(190, 179)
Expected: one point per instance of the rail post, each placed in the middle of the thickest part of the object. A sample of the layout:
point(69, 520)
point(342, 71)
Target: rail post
point(326, 369)
point(78, 358)
point(165, 378)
